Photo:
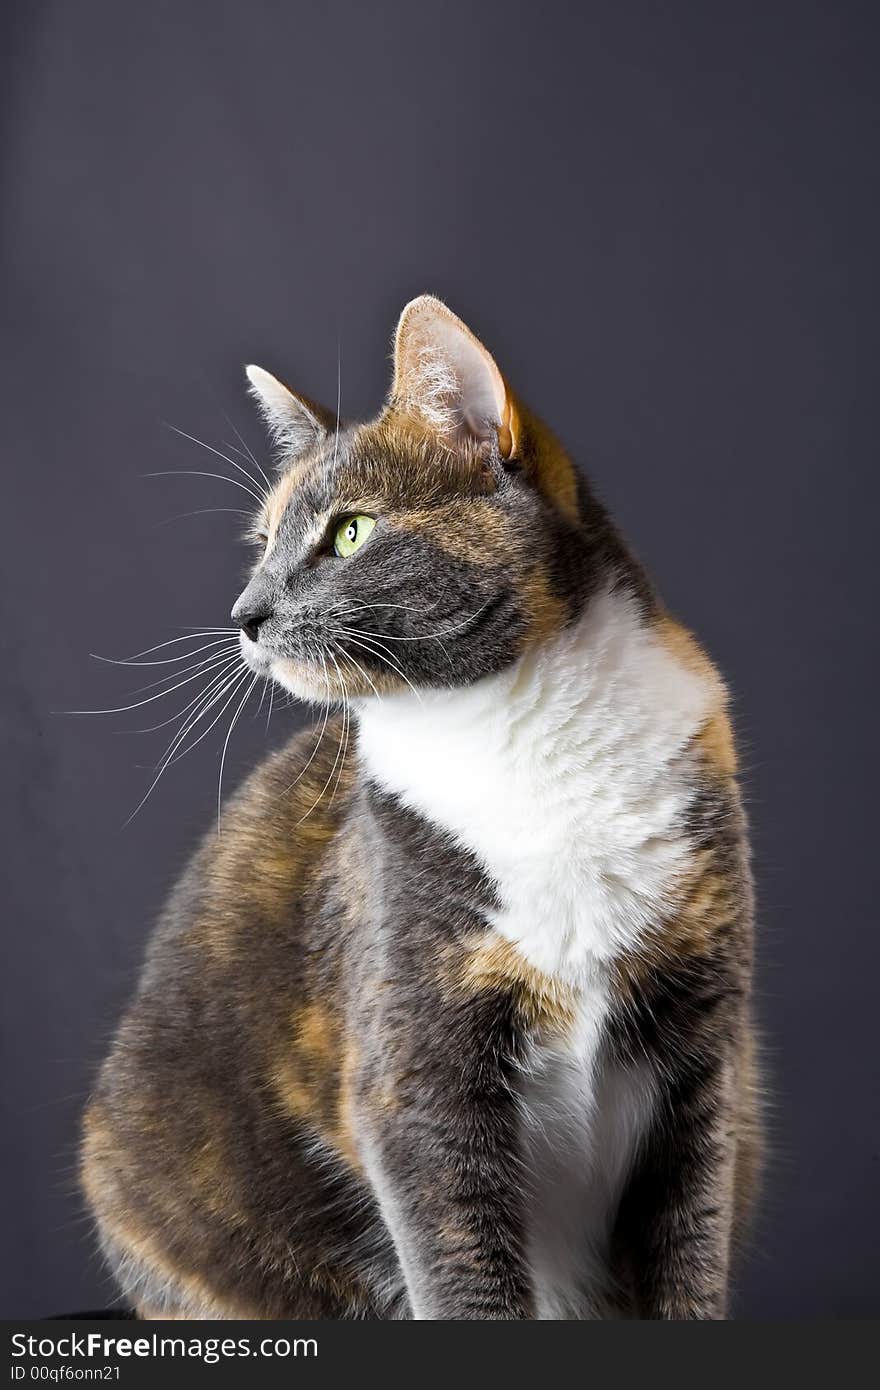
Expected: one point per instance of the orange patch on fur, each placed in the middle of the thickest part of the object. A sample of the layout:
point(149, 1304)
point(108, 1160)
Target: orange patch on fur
point(492, 963)
point(102, 1176)
point(716, 736)
point(547, 614)
point(315, 1081)
point(469, 531)
point(707, 900)
point(276, 503)
point(549, 464)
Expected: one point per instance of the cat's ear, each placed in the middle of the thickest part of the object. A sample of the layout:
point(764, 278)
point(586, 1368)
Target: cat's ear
point(444, 377)
point(294, 422)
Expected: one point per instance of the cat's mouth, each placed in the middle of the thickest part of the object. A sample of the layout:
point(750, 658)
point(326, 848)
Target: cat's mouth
point(254, 655)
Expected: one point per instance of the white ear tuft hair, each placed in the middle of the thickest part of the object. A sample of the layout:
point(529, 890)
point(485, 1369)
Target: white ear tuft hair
point(294, 423)
point(445, 376)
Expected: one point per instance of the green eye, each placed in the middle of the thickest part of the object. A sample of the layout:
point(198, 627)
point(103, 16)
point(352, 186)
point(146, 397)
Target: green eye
point(351, 534)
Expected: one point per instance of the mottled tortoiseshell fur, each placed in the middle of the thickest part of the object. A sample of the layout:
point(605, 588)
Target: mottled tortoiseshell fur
point(325, 999)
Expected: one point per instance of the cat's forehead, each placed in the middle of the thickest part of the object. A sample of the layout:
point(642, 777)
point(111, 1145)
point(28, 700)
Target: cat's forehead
point(373, 467)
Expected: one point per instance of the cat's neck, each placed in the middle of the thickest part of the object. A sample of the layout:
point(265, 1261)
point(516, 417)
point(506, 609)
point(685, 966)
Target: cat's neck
point(562, 774)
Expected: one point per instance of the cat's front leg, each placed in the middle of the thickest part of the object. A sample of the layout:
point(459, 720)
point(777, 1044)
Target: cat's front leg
point(678, 1213)
point(682, 1254)
point(438, 1127)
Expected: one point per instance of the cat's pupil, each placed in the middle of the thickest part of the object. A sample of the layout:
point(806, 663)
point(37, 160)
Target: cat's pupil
point(351, 531)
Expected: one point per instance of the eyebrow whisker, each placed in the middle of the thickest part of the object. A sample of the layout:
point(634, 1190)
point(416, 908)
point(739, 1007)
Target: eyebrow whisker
point(198, 473)
point(220, 455)
point(338, 400)
point(250, 453)
point(203, 511)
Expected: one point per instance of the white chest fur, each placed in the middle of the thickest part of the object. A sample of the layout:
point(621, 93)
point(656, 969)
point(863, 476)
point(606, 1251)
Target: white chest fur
point(581, 1130)
point(567, 776)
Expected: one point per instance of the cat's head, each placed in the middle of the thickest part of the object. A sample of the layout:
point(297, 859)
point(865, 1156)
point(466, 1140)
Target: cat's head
point(430, 547)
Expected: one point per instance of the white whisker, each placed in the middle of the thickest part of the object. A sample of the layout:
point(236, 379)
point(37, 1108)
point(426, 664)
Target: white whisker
point(338, 400)
point(346, 718)
point(256, 713)
point(207, 699)
point(359, 642)
point(358, 667)
point(248, 451)
point(191, 636)
point(206, 664)
point(403, 606)
point(320, 795)
point(203, 511)
point(218, 676)
point(123, 709)
point(199, 473)
point(226, 745)
point(426, 636)
point(259, 494)
point(289, 788)
point(224, 682)
point(232, 683)
point(202, 667)
point(164, 661)
point(271, 702)
point(352, 632)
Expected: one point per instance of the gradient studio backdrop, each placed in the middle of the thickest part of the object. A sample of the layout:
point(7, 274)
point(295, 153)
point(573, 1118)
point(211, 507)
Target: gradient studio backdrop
point(664, 221)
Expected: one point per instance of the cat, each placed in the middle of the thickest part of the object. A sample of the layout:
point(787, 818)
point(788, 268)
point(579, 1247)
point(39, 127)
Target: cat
point(453, 1020)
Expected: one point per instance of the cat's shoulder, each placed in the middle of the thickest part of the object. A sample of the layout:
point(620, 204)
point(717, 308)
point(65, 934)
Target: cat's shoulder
point(270, 848)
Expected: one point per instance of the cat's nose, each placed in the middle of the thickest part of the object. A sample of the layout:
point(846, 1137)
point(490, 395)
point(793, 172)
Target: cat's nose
point(249, 617)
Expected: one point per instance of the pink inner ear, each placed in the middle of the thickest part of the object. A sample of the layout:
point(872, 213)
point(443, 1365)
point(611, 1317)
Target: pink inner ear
point(448, 378)
point(480, 395)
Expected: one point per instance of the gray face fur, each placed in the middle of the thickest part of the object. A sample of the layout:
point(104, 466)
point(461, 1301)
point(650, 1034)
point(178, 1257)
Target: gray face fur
point(467, 564)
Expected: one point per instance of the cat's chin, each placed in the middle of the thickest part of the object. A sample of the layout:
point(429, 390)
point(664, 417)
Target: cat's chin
point(303, 681)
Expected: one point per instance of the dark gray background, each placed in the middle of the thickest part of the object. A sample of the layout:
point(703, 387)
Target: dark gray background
point(664, 220)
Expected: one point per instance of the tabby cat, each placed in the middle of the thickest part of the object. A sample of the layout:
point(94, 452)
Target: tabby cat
point(453, 1023)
